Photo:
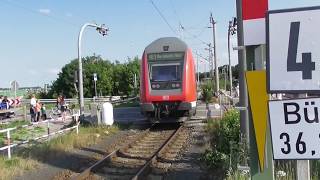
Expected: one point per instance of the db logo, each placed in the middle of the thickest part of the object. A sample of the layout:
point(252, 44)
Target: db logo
point(165, 98)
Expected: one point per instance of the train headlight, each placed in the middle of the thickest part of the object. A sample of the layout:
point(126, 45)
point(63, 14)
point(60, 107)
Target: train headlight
point(177, 85)
point(153, 86)
point(158, 86)
point(173, 85)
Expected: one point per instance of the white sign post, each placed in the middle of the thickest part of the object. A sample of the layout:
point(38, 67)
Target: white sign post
point(95, 78)
point(293, 50)
point(14, 87)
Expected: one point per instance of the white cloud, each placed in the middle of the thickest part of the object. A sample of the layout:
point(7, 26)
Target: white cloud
point(45, 11)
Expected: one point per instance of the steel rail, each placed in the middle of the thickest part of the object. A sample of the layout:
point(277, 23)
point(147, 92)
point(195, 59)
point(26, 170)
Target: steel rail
point(84, 174)
point(146, 168)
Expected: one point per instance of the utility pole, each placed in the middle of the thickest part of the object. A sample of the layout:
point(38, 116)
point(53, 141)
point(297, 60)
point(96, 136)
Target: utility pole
point(210, 61)
point(231, 31)
point(225, 77)
point(198, 82)
point(243, 95)
point(215, 52)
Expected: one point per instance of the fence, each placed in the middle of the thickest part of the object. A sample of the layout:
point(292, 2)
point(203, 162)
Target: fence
point(75, 100)
point(8, 131)
point(22, 111)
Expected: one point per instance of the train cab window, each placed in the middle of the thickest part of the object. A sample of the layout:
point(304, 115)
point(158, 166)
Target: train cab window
point(165, 72)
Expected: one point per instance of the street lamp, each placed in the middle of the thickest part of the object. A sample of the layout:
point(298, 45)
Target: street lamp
point(231, 31)
point(102, 30)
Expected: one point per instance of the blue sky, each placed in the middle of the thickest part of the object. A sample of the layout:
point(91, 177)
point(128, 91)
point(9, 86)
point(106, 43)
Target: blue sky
point(38, 37)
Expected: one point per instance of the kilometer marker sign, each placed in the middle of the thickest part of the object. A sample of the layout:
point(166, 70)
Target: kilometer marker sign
point(293, 44)
point(295, 128)
point(293, 59)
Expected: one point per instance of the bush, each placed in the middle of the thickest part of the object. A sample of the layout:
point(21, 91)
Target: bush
point(207, 91)
point(225, 151)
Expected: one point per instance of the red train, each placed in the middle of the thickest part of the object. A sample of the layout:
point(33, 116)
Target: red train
point(167, 80)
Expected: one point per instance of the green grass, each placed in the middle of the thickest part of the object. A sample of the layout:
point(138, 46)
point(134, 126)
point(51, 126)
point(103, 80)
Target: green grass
point(238, 175)
point(10, 168)
point(13, 124)
point(27, 158)
point(20, 134)
point(11, 93)
point(66, 143)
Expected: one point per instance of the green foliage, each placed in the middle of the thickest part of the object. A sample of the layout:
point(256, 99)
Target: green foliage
point(13, 124)
point(224, 84)
point(225, 151)
point(235, 72)
point(238, 175)
point(20, 134)
point(216, 159)
point(207, 91)
point(123, 77)
point(113, 78)
point(315, 169)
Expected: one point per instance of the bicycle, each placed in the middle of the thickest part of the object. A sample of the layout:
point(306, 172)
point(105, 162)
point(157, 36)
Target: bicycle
point(56, 112)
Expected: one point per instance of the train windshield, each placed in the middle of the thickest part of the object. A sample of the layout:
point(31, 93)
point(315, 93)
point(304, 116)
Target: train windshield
point(166, 72)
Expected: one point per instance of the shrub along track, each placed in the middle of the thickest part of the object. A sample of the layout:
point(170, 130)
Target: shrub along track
point(149, 153)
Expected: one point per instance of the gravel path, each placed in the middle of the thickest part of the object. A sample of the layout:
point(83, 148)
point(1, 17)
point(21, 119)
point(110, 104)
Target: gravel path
point(187, 165)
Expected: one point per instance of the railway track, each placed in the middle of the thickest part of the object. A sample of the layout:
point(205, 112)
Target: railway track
point(149, 153)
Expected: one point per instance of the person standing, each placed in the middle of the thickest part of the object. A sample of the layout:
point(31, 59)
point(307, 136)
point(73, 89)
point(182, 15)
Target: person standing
point(33, 103)
point(58, 100)
point(63, 108)
point(43, 112)
point(38, 110)
point(6, 102)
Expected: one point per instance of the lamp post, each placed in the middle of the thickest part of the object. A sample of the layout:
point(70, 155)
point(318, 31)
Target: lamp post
point(102, 30)
point(231, 31)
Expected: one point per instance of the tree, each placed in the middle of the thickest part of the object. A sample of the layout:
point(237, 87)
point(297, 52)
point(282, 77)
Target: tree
point(123, 77)
point(113, 78)
point(91, 64)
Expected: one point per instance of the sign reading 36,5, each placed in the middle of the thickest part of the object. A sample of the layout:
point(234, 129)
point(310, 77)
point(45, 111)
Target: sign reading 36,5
point(295, 128)
point(293, 43)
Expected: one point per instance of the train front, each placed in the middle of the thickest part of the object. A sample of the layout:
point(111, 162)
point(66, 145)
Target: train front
point(168, 85)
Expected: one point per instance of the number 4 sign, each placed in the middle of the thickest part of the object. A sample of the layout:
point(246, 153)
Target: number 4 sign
point(293, 44)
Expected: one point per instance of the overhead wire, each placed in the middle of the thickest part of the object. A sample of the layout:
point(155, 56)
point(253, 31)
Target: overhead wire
point(180, 26)
point(162, 16)
point(17, 5)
